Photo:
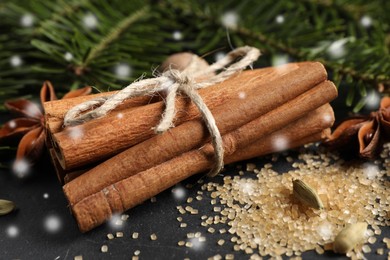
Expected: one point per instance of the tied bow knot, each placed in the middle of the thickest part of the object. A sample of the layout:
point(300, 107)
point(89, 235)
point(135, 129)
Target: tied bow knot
point(179, 77)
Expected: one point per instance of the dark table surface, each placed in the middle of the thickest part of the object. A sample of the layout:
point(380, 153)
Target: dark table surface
point(43, 228)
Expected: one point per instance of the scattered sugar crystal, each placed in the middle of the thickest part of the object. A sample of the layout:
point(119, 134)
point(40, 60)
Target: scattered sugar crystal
point(104, 249)
point(153, 236)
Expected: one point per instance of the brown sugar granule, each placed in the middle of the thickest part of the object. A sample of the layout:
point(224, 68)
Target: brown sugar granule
point(153, 237)
point(104, 249)
point(267, 221)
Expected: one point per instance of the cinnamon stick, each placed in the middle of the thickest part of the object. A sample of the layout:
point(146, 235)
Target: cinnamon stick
point(192, 134)
point(95, 209)
point(56, 110)
point(112, 134)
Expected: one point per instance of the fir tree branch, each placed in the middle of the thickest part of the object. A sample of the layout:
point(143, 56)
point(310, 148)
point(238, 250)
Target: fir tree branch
point(375, 79)
point(113, 35)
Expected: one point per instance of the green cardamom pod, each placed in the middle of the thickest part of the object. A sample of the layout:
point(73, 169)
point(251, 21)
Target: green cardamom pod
point(6, 207)
point(306, 194)
point(350, 237)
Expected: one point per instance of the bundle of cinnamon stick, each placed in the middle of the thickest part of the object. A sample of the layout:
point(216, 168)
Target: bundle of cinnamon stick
point(111, 164)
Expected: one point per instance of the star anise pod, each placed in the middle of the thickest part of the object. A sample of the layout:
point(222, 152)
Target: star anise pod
point(29, 127)
point(363, 135)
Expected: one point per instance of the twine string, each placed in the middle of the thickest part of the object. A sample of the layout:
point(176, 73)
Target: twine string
point(172, 81)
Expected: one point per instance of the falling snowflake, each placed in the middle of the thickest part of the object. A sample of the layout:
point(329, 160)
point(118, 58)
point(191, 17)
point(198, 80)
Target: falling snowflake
point(12, 231)
point(196, 243)
point(21, 168)
point(123, 70)
point(52, 224)
point(119, 115)
point(45, 195)
point(325, 230)
point(279, 19)
point(366, 21)
point(16, 61)
point(90, 21)
point(219, 55)
point(68, 56)
point(75, 132)
point(12, 124)
point(280, 143)
point(177, 35)
point(279, 59)
point(179, 192)
point(115, 221)
point(337, 48)
point(247, 187)
point(327, 118)
point(370, 171)
point(27, 20)
point(241, 94)
point(230, 19)
point(372, 100)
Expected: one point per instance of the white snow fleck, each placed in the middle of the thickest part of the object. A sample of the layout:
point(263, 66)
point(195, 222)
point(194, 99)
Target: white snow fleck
point(279, 59)
point(52, 223)
point(337, 48)
point(16, 61)
point(241, 94)
point(177, 35)
point(90, 21)
point(123, 70)
point(115, 221)
point(230, 19)
point(373, 100)
point(68, 56)
point(12, 231)
point(46, 195)
point(179, 192)
point(279, 19)
point(327, 118)
point(12, 124)
point(370, 171)
point(75, 132)
point(280, 143)
point(21, 168)
point(196, 244)
point(119, 115)
point(219, 55)
point(247, 187)
point(27, 20)
point(325, 230)
point(366, 21)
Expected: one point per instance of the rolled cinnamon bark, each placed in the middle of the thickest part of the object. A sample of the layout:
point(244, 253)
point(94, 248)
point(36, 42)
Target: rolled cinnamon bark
point(118, 198)
point(65, 176)
point(56, 110)
point(122, 129)
point(239, 145)
point(192, 134)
